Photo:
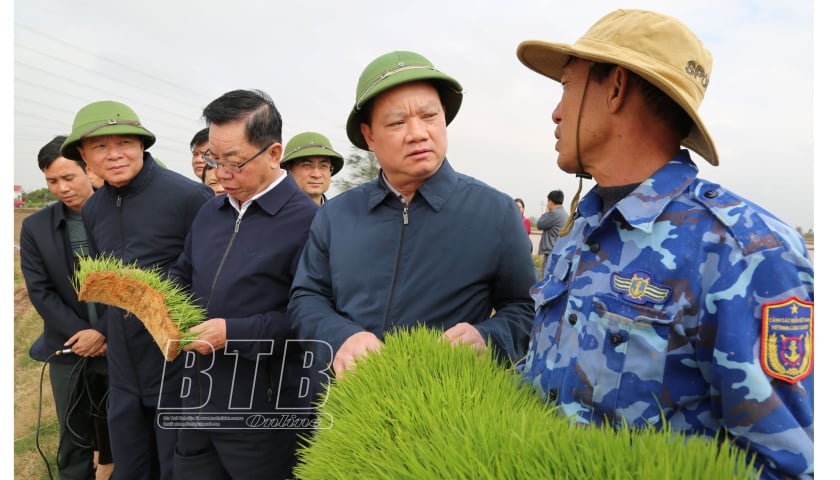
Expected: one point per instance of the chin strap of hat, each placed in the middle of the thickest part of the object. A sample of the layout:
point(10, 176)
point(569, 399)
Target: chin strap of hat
point(567, 227)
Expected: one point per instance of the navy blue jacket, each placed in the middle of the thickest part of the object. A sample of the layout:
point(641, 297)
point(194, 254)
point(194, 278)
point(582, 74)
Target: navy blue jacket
point(241, 269)
point(48, 263)
point(145, 221)
point(457, 253)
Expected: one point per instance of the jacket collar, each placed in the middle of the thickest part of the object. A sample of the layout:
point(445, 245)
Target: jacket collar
point(57, 215)
point(272, 201)
point(140, 181)
point(436, 190)
point(641, 207)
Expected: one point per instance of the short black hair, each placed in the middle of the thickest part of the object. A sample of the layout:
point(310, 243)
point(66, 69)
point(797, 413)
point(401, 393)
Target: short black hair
point(263, 123)
point(51, 151)
point(662, 105)
point(556, 196)
point(200, 137)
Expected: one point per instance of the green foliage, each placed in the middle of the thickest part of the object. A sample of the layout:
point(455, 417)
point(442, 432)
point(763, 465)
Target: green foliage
point(39, 198)
point(423, 409)
point(178, 300)
point(360, 167)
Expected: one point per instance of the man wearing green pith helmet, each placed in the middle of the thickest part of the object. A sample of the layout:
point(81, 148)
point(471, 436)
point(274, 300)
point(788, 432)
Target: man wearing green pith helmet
point(141, 214)
point(311, 160)
point(421, 244)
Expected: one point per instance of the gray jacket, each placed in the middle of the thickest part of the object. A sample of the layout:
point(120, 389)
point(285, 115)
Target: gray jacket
point(550, 223)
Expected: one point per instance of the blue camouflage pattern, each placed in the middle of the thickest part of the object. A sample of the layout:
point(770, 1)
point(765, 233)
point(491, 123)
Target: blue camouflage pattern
point(653, 313)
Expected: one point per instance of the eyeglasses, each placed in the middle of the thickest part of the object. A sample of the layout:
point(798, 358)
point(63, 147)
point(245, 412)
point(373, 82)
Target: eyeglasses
point(325, 167)
point(231, 167)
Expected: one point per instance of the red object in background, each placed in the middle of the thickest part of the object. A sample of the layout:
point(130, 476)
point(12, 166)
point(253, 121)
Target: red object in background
point(19, 197)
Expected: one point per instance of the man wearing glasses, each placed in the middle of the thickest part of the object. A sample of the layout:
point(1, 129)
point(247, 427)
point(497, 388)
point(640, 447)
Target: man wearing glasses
point(244, 380)
point(311, 160)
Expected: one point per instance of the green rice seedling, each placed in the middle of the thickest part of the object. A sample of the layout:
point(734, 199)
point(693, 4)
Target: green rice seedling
point(422, 409)
point(135, 290)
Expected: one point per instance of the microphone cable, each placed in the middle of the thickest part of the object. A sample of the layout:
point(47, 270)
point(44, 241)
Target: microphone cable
point(82, 361)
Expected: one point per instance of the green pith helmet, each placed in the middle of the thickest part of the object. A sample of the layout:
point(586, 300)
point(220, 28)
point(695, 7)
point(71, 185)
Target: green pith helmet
point(311, 144)
point(104, 118)
point(397, 68)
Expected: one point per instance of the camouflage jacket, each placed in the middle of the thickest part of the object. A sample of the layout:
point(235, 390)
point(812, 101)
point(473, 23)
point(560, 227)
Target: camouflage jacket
point(684, 304)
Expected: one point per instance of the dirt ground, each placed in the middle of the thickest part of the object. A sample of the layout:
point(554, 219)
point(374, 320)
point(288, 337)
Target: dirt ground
point(21, 298)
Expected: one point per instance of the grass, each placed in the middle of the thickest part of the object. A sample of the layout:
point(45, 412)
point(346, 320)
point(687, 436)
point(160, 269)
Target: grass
point(456, 415)
point(28, 464)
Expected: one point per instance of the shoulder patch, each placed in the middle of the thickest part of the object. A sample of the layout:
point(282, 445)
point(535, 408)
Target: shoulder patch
point(787, 339)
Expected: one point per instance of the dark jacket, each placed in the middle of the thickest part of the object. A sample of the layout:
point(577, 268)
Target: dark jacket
point(145, 221)
point(241, 269)
point(455, 254)
point(48, 264)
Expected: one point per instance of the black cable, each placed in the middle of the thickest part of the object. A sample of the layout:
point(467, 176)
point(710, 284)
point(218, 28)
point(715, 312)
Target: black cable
point(73, 400)
point(38, 423)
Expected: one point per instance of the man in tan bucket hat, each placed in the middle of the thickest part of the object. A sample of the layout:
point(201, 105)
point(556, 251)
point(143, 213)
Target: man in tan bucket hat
point(667, 299)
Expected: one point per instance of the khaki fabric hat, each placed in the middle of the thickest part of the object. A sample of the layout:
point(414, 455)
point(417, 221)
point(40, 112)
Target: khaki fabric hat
point(659, 48)
point(104, 118)
point(393, 69)
point(311, 144)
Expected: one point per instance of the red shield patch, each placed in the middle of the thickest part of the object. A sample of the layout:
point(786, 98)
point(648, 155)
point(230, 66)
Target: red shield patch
point(787, 339)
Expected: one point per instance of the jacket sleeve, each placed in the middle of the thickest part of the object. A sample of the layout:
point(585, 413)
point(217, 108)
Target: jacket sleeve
point(546, 220)
point(42, 290)
point(509, 328)
point(780, 425)
point(312, 306)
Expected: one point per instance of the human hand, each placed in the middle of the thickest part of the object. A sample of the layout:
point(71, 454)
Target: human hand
point(87, 343)
point(465, 333)
point(212, 335)
point(356, 346)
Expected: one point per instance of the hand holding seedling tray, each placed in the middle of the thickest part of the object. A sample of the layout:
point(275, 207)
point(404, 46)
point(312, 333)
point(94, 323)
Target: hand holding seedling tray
point(165, 308)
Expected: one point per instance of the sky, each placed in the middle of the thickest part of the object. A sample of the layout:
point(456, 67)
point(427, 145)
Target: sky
point(170, 59)
point(167, 60)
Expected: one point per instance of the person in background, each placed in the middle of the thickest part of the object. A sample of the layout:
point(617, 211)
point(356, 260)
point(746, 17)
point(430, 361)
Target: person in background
point(50, 240)
point(311, 160)
point(669, 299)
point(198, 145)
point(208, 177)
point(95, 179)
point(420, 245)
point(550, 223)
point(140, 216)
point(239, 260)
point(525, 221)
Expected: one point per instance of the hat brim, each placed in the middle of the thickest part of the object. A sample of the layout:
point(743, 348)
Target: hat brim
point(550, 59)
point(69, 150)
point(450, 91)
point(336, 159)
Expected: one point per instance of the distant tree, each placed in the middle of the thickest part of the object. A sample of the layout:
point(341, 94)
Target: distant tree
point(360, 167)
point(39, 198)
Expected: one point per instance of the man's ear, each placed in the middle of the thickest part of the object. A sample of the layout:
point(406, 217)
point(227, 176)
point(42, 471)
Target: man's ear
point(367, 132)
point(618, 83)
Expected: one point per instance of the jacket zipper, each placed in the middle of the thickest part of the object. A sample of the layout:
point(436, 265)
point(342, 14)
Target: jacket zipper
point(213, 288)
point(386, 322)
point(224, 257)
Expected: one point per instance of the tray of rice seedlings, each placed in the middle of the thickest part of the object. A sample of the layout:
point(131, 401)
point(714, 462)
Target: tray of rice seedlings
point(165, 308)
point(422, 409)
